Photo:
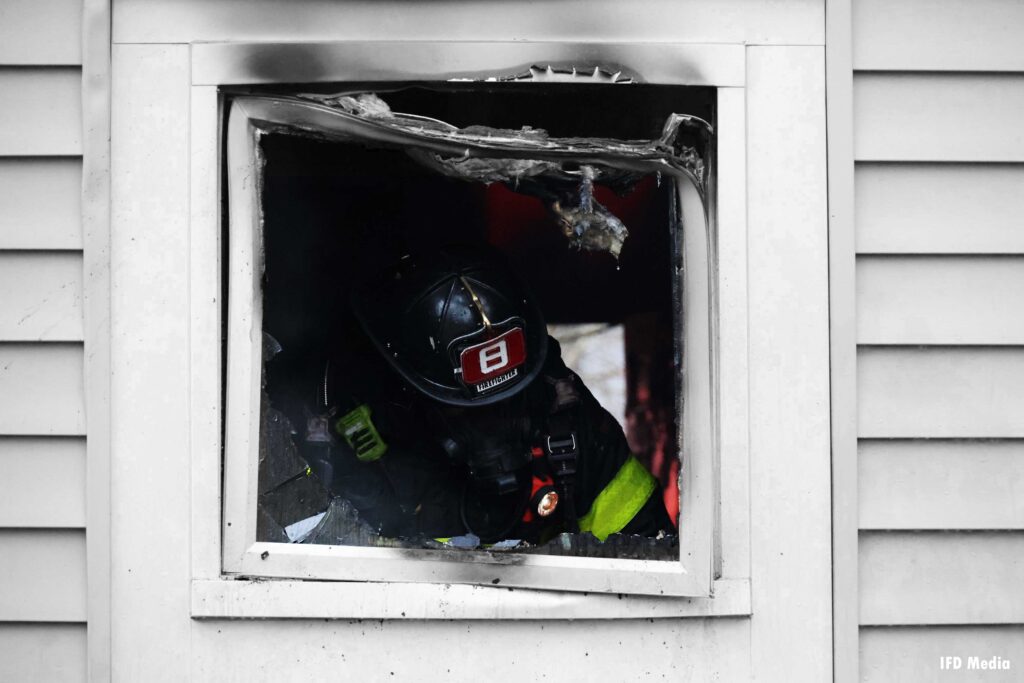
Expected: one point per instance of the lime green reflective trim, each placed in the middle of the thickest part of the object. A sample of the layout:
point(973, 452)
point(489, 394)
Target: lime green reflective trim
point(620, 500)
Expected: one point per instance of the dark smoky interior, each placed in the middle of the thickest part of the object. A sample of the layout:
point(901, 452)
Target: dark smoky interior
point(337, 212)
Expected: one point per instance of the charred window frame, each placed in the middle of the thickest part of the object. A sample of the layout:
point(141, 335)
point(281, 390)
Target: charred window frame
point(249, 117)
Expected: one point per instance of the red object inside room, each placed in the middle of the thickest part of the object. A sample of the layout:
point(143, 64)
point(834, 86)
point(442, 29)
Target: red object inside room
point(521, 227)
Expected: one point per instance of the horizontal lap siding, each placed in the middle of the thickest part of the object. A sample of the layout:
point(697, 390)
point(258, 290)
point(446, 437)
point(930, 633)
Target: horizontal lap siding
point(43, 296)
point(941, 392)
point(43, 587)
point(37, 32)
point(938, 117)
point(938, 35)
point(939, 214)
point(912, 653)
point(951, 208)
point(42, 482)
point(940, 300)
point(43, 574)
point(41, 198)
point(43, 652)
point(941, 484)
point(41, 389)
point(941, 577)
point(42, 112)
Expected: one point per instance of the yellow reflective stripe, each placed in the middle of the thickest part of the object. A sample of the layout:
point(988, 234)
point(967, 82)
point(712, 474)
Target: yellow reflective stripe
point(620, 500)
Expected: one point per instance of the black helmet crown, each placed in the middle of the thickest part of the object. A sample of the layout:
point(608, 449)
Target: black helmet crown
point(456, 323)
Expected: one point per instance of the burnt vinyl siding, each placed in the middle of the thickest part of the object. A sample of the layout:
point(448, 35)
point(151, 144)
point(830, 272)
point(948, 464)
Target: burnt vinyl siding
point(42, 403)
point(788, 23)
point(939, 200)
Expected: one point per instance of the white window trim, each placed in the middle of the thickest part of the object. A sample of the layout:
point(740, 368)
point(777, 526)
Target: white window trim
point(232, 64)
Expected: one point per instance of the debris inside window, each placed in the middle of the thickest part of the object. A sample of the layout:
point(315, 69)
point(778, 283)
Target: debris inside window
point(426, 294)
point(289, 493)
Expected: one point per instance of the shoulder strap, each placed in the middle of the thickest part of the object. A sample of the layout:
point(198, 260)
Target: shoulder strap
point(561, 444)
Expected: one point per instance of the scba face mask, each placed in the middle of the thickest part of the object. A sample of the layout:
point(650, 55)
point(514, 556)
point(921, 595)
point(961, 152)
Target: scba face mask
point(493, 441)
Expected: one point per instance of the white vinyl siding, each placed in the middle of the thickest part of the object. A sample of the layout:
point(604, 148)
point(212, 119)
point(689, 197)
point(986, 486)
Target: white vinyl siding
point(948, 208)
point(938, 117)
point(41, 482)
point(43, 293)
point(911, 653)
point(42, 203)
point(36, 32)
point(940, 392)
point(941, 577)
point(43, 652)
point(938, 35)
point(41, 390)
point(42, 403)
point(42, 112)
point(941, 484)
point(44, 575)
point(940, 300)
point(939, 200)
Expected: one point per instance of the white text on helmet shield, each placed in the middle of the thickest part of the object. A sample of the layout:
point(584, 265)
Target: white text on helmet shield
point(484, 361)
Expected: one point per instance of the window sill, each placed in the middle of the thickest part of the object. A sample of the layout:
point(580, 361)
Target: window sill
point(290, 599)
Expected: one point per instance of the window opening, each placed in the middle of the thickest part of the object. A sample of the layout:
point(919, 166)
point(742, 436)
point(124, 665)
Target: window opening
point(351, 452)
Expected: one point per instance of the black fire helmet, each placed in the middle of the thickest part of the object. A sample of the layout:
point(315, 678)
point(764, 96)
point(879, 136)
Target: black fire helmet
point(456, 323)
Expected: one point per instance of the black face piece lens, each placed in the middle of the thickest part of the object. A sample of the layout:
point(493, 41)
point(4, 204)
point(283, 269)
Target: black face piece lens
point(493, 441)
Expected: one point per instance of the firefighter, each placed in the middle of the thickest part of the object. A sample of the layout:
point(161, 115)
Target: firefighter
point(449, 412)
